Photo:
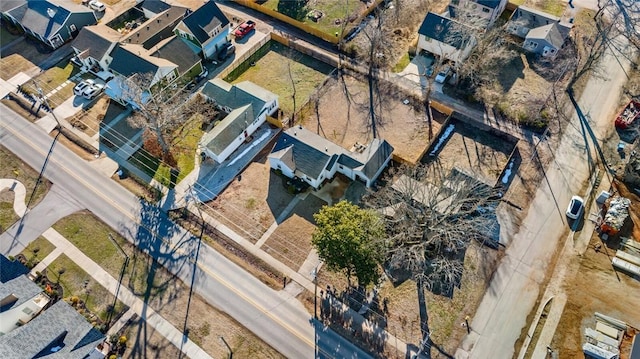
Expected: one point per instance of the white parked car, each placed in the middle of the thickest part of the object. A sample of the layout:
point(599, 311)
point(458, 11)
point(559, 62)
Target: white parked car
point(93, 91)
point(574, 210)
point(97, 5)
point(82, 87)
point(441, 77)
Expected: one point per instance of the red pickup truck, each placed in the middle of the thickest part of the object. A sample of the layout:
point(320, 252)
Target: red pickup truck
point(244, 29)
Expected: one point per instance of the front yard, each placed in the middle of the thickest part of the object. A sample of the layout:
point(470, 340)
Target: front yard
point(50, 80)
point(13, 167)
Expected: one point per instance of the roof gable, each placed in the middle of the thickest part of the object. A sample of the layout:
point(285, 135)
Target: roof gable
point(224, 133)
point(440, 28)
point(238, 95)
point(97, 42)
point(550, 33)
point(206, 18)
point(21, 288)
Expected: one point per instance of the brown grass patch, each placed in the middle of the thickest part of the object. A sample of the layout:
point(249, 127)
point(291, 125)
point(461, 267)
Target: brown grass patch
point(344, 122)
point(13, 167)
point(251, 205)
point(11, 65)
point(88, 121)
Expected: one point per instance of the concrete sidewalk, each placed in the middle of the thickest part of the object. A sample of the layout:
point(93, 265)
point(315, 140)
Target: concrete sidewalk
point(135, 304)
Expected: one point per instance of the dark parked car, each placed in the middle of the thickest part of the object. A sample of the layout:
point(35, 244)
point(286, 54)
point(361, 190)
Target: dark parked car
point(226, 51)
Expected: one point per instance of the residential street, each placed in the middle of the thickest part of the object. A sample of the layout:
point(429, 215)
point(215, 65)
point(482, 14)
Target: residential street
point(512, 294)
point(276, 317)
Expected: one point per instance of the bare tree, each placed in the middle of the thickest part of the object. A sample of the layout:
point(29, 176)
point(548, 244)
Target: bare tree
point(159, 110)
point(431, 216)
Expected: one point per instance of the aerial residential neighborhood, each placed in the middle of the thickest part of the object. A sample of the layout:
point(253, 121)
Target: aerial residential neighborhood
point(319, 179)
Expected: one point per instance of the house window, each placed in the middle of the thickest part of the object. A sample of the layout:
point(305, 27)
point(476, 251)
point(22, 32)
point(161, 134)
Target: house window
point(484, 9)
point(533, 45)
point(171, 75)
point(72, 27)
point(27, 311)
point(279, 166)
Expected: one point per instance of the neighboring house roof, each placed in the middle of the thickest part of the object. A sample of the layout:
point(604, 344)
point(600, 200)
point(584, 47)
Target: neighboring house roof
point(96, 40)
point(134, 59)
point(206, 18)
point(238, 95)
point(532, 18)
point(309, 154)
point(550, 33)
point(490, 3)
point(58, 332)
point(7, 5)
point(44, 18)
point(224, 133)
point(11, 269)
point(22, 290)
point(157, 28)
point(178, 52)
point(440, 28)
point(155, 6)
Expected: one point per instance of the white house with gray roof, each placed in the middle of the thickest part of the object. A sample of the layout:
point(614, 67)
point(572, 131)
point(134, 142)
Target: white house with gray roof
point(303, 154)
point(53, 22)
point(543, 33)
point(247, 105)
point(93, 47)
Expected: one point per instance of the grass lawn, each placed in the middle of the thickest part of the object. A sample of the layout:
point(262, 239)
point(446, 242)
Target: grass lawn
point(91, 236)
point(72, 278)
point(37, 250)
point(12, 167)
point(53, 78)
point(553, 7)
point(332, 10)
point(272, 73)
point(184, 151)
point(7, 215)
point(13, 64)
point(402, 63)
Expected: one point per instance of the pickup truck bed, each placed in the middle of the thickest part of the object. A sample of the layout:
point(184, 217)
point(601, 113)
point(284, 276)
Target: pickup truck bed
point(244, 29)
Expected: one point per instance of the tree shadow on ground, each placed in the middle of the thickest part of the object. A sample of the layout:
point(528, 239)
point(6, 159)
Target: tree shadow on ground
point(168, 246)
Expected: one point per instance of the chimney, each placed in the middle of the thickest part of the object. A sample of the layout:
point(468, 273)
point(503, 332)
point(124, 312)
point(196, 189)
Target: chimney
point(326, 149)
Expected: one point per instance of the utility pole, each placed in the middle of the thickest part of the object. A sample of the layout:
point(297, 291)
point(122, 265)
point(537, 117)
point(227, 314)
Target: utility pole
point(314, 274)
point(124, 267)
point(227, 345)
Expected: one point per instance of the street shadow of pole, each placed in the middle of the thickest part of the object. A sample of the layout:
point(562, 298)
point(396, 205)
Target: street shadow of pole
point(167, 245)
point(585, 122)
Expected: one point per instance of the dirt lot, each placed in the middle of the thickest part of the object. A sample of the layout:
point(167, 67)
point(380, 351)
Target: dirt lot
point(344, 122)
point(291, 241)
point(251, 205)
point(472, 150)
point(596, 288)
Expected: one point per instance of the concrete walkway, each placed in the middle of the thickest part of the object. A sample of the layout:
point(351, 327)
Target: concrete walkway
point(135, 304)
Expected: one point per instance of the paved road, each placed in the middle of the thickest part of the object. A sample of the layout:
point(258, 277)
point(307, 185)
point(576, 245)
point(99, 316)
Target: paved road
point(276, 317)
point(516, 284)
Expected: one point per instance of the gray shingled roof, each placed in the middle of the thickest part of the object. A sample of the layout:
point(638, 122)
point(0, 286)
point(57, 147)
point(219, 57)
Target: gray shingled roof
point(235, 96)
point(178, 52)
point(156, 29)
point(312, 153)
point(489, 3)
point(549, 33)
point(224, 133)
point(127, 63)
point(155, 6)
point(37, 18)
point(95, 43)
point(205, 19)
point(10, 269)
point(532, 18)
point(7, 5)
point(438, 27)
point(58, 327)
point(22, 288)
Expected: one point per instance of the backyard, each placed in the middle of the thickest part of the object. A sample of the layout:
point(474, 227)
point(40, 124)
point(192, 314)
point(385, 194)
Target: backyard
point(343, 118)
point(334, 13)
point(272, 72)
